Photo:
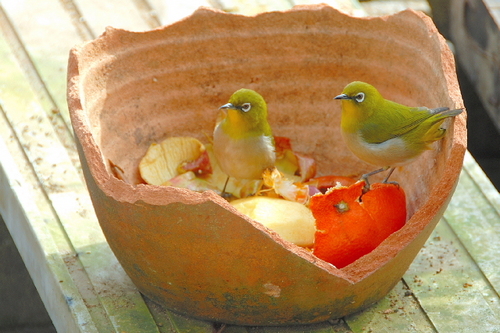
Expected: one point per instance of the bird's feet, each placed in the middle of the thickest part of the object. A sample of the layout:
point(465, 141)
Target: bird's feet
point(364, 177)
point(226, 195)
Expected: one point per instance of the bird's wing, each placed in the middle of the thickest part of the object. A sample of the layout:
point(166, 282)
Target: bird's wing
point(413, 118)
point(398, 122)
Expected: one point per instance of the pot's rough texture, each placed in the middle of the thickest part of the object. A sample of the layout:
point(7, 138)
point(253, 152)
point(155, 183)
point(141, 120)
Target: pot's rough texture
point(194, 253)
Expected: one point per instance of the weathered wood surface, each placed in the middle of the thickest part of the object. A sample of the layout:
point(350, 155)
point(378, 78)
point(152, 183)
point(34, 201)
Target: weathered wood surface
point(452, 286)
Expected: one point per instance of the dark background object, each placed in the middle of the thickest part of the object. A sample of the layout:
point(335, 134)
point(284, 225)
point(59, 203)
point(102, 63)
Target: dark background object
point(473, 29)
point(21, 309)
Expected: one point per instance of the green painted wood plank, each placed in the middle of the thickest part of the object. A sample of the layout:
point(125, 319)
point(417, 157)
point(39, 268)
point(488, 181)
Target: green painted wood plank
point(82, 28)
point(122, 14)
point(16, 94)
point(69, 197)
point(24, 61)
point(168, 321)
point(253, 7)
point(148, 13)
point(53, 67)
point(28, 227)
point(399, 311)
point(488, 190)
point(95, 264)
point(169, 12)
point(47, 34)
point(351, 7)
point(450, 287)
point(474, 216)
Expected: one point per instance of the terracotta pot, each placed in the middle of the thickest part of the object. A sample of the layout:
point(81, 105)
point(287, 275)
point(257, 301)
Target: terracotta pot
point(192, 252)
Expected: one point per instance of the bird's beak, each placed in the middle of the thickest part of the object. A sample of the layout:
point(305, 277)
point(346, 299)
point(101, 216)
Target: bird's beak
point(227, 106)
point(342, 96)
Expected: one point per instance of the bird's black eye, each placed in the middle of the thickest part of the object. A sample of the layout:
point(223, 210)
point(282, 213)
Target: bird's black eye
point(360, 97)
point(245, 107)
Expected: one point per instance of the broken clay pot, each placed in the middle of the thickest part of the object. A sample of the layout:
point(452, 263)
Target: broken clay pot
point(193, 252)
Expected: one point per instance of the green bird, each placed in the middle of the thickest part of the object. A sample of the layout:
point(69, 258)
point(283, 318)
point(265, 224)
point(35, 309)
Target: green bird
point(243, 140)
point(385, 133)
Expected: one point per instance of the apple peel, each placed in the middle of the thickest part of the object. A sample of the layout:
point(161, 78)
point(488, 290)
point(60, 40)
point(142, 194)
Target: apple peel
point(169, 158)
point(296, 166)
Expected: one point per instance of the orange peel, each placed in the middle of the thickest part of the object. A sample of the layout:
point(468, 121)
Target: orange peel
point(352, 224)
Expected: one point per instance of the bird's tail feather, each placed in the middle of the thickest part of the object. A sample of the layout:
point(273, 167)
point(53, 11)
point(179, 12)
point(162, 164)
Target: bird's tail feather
point(435, 132)
point(446, 112)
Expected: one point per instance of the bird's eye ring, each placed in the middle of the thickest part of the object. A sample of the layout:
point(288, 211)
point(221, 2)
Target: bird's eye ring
point(245, 107)
point(360, 97)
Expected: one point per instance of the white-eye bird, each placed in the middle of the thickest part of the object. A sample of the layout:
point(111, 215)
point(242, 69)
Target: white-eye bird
point(385, 133)
point(243, 140)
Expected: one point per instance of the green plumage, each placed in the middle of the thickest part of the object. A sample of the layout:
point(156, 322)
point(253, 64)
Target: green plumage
point(385, 133)
point(417, 125)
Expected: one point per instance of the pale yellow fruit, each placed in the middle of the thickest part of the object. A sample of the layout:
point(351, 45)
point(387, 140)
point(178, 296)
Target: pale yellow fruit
point(291, 220)
point(162, 161)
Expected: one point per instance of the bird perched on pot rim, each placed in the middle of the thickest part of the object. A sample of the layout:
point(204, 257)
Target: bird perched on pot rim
point(243, 140)
point(385, 133)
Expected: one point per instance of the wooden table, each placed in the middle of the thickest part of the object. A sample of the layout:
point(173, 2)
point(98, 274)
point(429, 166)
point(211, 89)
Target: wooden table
point(452, 286)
